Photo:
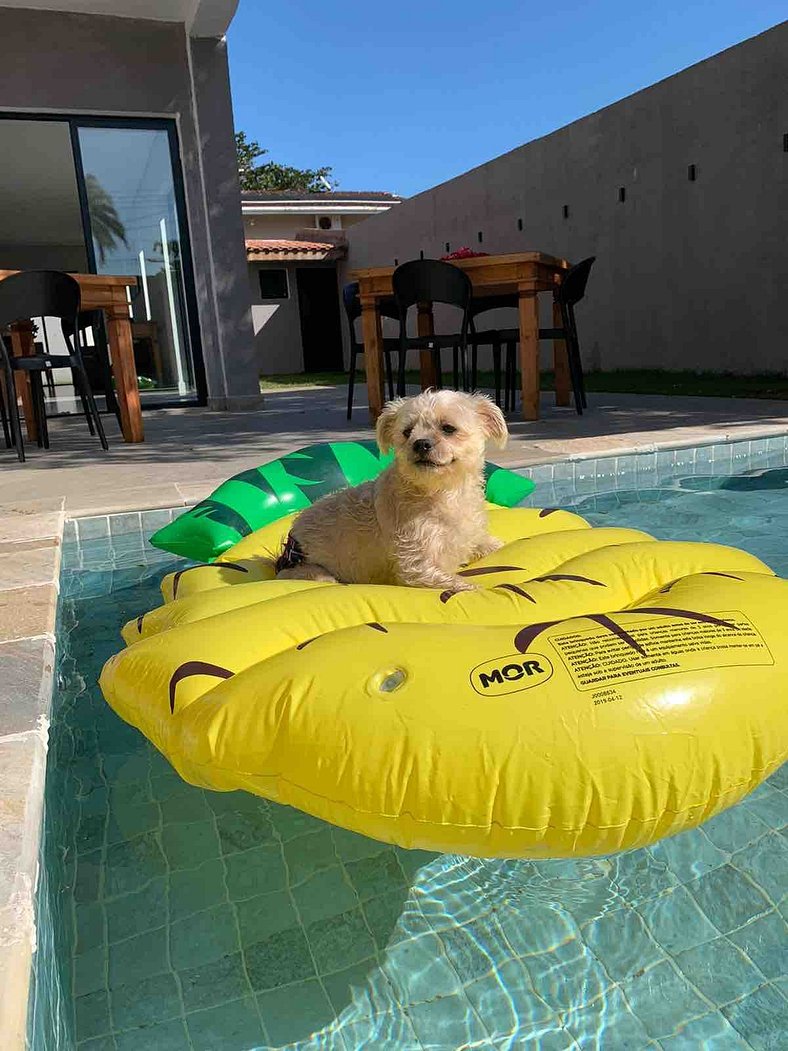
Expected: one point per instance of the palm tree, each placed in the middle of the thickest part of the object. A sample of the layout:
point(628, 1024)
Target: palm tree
point(107, 228)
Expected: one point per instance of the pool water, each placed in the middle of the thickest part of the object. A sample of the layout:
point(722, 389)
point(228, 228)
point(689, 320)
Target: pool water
point(172, 918)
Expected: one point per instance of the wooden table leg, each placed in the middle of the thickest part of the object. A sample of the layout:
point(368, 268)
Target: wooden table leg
point(560, 361)
point(529, 351)
point(426, 327)
point(23, 344)
point(121, 349)
point(372, 332)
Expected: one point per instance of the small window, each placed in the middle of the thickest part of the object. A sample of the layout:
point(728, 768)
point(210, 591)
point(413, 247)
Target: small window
point(324, 222)
point(273, 284)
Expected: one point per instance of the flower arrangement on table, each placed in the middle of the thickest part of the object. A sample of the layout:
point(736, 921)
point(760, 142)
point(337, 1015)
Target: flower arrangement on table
point(462, 253)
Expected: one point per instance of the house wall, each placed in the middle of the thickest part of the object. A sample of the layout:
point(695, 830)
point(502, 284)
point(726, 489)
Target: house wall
point(276, 324)
point(688, 274)
point(68, 63)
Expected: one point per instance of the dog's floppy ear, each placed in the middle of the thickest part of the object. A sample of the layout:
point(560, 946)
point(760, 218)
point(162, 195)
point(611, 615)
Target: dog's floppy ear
point(493, 423)
point(384, 429)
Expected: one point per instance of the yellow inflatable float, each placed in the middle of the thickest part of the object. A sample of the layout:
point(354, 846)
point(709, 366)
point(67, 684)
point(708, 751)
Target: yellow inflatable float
point(600, 690)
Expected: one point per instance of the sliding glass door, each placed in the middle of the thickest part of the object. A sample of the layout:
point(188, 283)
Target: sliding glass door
point(133, 219)
point(103, 196)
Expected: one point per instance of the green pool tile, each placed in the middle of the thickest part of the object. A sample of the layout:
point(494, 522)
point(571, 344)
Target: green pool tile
point(193, 890)
point(350, 846)
point(720, 970)
point(307, 854)
point(185, 807)
point(96, 801)
point(90, 970)
point(140, 911)
point(90, 833)
point(779, 778)
point(568, 976)
point(339, 941)
point(735, 829)
point(502, 1012)
point(260, 917)
point(126, 769)
point(544, 931)
point(145, 1002)
point(765, 941)
point(89, 920)
point(411, 861)
point(662, 1000)
point(447, 1023)
point(139, 957)
point(131, 865)
point(241, 830)
point(639, 875)
point(611, 1022)
point(325, 894)
point(689, 855)
point(290, 823)
point(99, 1043)
point(131, 794)
point(186, 845)
point(770, 805)
point(281, 959)
point(232, 1025)
point(133, 819)
point(88, 877)
point(760, 1018)
point(767, 864)
point(676, 921)
point(167, 1036)
point(340, 985)
point(375, 875)
point(622, 942)
point(235, 802)
point(203, 937)
point(418, 970)
point(295, 1012)
point(728, 898)
point(713, 1032)
point(255, 871)
point(214, 983)
point(383, 915)
point(91, 1013)
point(168, 785)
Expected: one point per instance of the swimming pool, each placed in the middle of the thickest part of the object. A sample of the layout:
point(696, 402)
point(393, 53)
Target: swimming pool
point(172, 918)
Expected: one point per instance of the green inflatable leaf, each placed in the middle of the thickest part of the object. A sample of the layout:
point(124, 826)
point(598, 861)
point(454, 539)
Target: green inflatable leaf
point(257, 497)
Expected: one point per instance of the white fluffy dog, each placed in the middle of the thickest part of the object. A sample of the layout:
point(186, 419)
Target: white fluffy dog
point(423, 518)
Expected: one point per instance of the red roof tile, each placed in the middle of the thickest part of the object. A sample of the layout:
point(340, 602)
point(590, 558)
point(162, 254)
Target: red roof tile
point(277, 246)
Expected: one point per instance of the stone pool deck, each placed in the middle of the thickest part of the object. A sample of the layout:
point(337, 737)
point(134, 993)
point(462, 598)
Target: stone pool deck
point(187, 453)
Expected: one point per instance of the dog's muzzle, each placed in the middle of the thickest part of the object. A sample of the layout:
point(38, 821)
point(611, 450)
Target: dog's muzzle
point(291, 556)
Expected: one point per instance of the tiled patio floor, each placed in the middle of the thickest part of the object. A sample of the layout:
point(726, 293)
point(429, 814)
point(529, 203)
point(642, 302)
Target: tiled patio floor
point(189, 451)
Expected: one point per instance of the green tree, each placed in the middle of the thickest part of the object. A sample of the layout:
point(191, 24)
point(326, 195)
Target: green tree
point(271, 176)
point(105, 222)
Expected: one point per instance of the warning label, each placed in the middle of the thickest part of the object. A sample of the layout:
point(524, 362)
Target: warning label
point(658, 646)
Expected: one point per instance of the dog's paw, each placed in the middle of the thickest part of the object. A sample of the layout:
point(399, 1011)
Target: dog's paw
point(490, 545)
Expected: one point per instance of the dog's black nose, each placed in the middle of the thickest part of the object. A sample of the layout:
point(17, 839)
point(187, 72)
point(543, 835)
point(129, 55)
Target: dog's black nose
point(422, 446)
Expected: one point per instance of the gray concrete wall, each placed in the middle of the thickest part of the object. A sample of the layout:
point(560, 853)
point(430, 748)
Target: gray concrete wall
point(688, 274)
point(67, 63)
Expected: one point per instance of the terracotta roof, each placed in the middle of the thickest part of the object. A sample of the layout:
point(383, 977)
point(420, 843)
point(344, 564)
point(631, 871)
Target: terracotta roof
point(276, 248)
point(327, 195)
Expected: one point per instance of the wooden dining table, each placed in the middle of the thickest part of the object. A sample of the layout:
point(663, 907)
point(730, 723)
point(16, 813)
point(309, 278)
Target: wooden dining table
point(99, 292)
point(525, 274)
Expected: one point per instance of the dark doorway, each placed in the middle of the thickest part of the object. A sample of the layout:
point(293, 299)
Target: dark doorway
point(318, 307)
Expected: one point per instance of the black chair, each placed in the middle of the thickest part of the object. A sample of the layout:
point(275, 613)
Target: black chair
point(96, 357)
point(432, 281)
point(44, 293)
point(493, 337)
point(388, 308)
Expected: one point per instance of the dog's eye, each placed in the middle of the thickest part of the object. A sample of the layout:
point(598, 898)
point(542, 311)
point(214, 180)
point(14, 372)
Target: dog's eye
point(448, 429)
point(407, 432)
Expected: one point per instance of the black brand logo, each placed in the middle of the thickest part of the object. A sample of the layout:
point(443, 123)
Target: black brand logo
point(511, 674)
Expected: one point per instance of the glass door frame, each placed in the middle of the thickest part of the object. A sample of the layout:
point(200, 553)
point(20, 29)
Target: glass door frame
point(169, 125)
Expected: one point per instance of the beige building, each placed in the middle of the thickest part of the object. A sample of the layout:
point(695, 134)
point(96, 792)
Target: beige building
point(294, 242)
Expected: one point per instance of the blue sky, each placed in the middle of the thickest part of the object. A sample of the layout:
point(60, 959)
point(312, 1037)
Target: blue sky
point(402, 96)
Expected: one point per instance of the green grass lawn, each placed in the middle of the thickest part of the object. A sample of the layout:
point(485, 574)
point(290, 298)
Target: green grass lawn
point(624, 381)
